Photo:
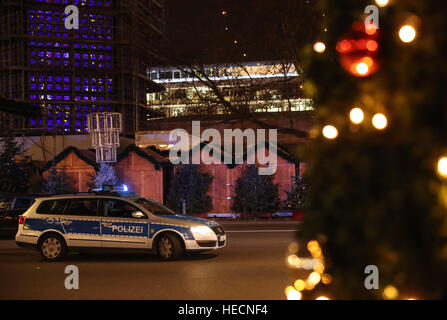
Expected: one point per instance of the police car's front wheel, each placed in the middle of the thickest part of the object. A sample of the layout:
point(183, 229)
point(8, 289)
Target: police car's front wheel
point(169, 247)
point(52, 247)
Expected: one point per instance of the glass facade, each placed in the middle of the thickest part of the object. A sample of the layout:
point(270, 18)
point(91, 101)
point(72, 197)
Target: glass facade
point(69, 73)
point(67, 97)
point(257, 86)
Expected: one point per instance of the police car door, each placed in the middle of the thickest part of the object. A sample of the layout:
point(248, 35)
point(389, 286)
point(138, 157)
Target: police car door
point(81, 222)
point(123, 225)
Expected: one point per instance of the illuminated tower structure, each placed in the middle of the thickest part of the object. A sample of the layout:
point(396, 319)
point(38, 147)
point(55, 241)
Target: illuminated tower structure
point(99, 67)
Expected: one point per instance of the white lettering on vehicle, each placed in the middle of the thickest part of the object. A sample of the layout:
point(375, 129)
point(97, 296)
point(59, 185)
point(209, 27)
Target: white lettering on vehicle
point(127, 229)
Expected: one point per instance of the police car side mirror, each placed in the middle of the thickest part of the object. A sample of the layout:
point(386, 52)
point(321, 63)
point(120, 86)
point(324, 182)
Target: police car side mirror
point(138, 214)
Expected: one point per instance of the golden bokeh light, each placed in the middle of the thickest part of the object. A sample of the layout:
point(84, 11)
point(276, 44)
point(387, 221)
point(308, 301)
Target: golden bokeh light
point(356, 115)
point(319, 267)
point(379, 121)
point(293, 247)
point(382, 3)
point(288, 289)
point(390, 292)
point(309, 285)
point(319, 47)
point(299, 285)
point(330, 132)
point(294, 295)
point(442, 167)
point(322, 298)
point(292, 259)
point(316, 253)
point(314, 278)
point(407, 33)
point(326, 278)
point(313, 245)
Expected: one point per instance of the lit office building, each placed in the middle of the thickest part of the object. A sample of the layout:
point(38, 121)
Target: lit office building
point(257, 87)
point(99, 67)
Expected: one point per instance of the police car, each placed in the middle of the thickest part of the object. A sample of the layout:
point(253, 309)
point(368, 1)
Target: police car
point(113, 220)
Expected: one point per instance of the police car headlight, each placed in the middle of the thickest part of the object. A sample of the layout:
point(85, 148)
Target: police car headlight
point(203, 232)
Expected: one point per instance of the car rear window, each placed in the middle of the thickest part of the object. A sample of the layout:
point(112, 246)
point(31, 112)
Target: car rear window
point(23, 203)
point(52, 206)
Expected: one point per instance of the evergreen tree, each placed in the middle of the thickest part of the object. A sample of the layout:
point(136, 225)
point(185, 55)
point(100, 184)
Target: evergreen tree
point(189, 187)
point(58, 182)
point(376, 197)
point(105, 176)
point(297, 198)
point(13, 172)
point(254, 193)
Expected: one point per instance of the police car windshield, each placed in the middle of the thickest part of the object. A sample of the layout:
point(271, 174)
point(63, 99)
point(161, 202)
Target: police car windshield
point(154, 207)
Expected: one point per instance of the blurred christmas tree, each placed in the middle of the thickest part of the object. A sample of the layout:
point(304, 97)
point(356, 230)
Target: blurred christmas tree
point(297, 195)
point(376, 197)
point(255, 194)
point(14, 169)
point(188, 190)
point(58, 181)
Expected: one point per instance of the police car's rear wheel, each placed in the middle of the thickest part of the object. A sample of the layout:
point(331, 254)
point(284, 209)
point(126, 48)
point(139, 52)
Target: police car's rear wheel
point(169, 247)
point(52, 247)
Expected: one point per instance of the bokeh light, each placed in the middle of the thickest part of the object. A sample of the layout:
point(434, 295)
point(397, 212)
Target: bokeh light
point(372, 45)
point(382, 3)
point(330, 132)
point(293, 294)
point(390, 292)
point(379, 121)
point(293, 247)
point(356, 115)
point(319, 47)
point(314, 278)
point(322, 298)
point(326, 278)
point(362, 68)
point(299, 285)
point(442, 167)
point(371, 29)
point(319, 267)
point(313, 245)
point(407, 33)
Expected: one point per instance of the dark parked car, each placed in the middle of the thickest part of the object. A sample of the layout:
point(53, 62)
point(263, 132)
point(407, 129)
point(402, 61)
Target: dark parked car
point(10, 210)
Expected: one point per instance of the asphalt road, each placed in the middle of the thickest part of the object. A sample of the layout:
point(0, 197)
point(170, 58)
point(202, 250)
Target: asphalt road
point(252, 266)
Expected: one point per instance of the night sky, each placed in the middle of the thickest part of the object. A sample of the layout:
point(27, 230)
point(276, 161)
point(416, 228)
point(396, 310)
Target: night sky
point(230, 30)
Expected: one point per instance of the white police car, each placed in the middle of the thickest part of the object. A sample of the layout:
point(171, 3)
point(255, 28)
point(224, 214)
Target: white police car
point(57, 224)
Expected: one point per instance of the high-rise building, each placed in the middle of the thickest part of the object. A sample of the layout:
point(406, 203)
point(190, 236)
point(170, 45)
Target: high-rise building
point(69, 73)
point(260, 86)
